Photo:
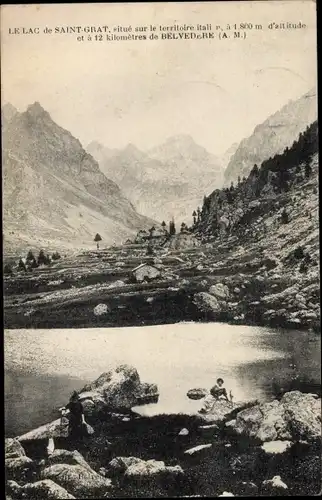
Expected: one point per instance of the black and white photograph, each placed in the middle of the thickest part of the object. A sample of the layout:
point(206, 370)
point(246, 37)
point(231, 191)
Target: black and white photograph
point(160, 216)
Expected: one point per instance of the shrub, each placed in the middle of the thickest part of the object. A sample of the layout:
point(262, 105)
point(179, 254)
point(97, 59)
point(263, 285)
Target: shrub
point(55, 256)
point(285, 218)
point(299, 253)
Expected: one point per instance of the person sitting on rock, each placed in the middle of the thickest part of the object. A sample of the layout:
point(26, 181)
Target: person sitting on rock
point(216, 393)
point(218, 390)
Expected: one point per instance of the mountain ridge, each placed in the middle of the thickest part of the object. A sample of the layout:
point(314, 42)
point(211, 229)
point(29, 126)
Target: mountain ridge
point(272, 136)
point(163, 181)
point(53, 186)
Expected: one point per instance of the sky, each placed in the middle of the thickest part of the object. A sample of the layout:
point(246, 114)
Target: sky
point(143, 92)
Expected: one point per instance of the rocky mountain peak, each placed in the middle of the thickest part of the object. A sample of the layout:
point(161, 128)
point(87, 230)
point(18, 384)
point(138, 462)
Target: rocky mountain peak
point(8, 111)
point(273, 135)
point(36, 110)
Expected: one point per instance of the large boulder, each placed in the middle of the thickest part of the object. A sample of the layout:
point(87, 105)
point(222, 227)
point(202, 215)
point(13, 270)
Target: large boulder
point(219, 411)
point(45, 489)
point(13, 449)
point(60, 456)
point(274, 486)
point(51, 430)
point(303, 413)
point(296, 416)
point(118, 390)
point(152, 468)
point(206, 303)
point(120, 464)
point(136, 468)
point(78, 480)
point(220, 291)
point(19, 468)
point(113, 391)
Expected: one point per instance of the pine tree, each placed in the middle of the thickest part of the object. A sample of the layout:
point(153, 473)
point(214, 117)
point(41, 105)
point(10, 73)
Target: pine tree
point(30, 256)
point(163, 224)
point(172, 228)
point(21, 265)
point(97, 239)
point(194, 215)
point(255, 170)
point(42, 259)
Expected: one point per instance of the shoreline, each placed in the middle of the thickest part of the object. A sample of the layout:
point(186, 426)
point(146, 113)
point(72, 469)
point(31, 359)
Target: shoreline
point(180, 454)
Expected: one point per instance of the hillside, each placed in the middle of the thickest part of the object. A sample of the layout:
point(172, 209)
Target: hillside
point(54, 193)
point(272, 136)
point(266, 230)
point(164, 182)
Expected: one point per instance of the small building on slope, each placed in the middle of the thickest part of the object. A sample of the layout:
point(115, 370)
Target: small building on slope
point(145, 272)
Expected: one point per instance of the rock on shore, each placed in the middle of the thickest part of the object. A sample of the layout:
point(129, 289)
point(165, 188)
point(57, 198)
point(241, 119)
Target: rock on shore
point(296, 416)
point(114, 391)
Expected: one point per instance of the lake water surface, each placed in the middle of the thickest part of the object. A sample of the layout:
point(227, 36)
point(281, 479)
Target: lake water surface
point(42, 367)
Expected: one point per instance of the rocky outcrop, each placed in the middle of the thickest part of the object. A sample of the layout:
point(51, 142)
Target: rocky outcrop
point(197, 393)
point(13, 449)
point(296, 416)
point(118, 390)
point(220, 411)
point(113, 391)
point(82, 482)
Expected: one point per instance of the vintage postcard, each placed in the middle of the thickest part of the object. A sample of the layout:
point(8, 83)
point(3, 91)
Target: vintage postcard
point(161, 249)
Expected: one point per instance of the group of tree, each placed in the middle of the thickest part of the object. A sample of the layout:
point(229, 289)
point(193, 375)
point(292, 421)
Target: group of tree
point(183, 227)
point(291, 166)
point(31, 262)
point(277, 174)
